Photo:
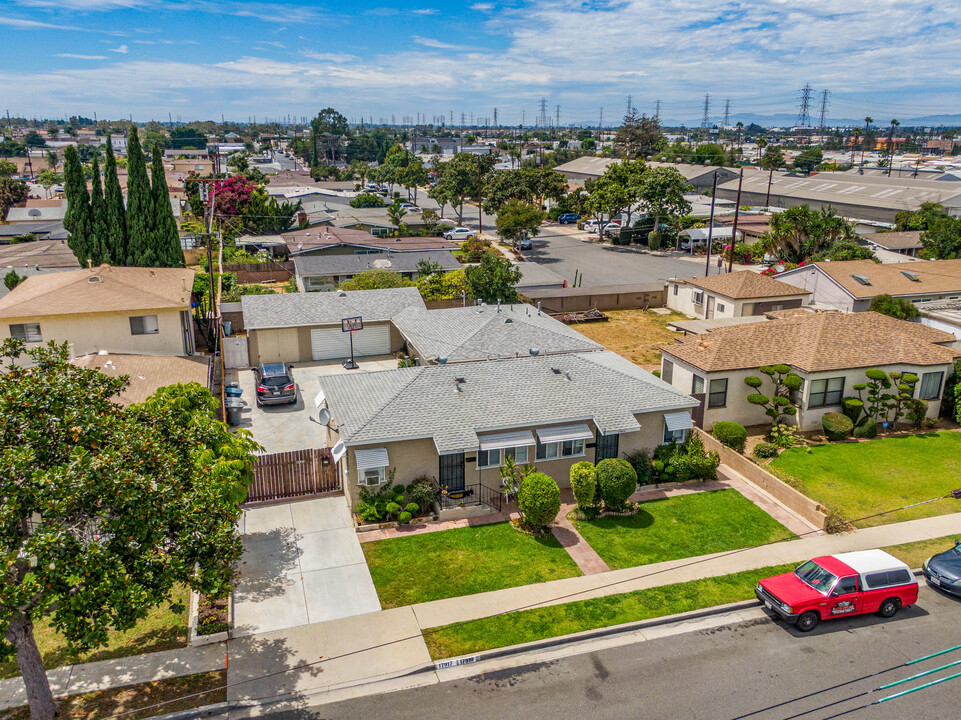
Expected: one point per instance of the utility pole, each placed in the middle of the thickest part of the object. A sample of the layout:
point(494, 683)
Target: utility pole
point(710, 230)
point(737, 212)
point(600, 124)
point(824, 111)
point(770, 179)
point(480, 188)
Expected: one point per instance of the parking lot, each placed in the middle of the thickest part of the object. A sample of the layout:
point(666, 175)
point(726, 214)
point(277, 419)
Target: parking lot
point(282, 428)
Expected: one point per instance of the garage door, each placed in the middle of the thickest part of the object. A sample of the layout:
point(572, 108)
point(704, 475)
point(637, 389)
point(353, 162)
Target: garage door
point(332, 344)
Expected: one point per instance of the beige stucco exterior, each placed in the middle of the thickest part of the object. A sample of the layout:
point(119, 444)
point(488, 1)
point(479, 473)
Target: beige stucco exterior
point(92, 332)
point(287, 345)
point(680, 297)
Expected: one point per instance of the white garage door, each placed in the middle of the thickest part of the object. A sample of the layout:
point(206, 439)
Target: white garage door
point(332, 344)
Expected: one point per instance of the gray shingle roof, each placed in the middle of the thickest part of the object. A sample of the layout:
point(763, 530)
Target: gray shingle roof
point(310, 265)
point(299, 309)
point(423, 402)
point(481, 332)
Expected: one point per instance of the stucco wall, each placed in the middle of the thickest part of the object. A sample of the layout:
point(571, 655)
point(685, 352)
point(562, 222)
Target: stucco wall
point(824, 291)
point(683, 301)
point(293, 344)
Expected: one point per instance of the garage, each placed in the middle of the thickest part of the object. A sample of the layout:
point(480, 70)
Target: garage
point(333, 343)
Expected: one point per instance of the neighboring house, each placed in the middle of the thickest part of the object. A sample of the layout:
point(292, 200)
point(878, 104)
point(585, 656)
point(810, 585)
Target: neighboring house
point(303, 327)
point(326, 272)
point(344, 241)
point(38, 254)
point(485, 332)
point(732, 295)
point(850, 285)
point(700, 177)
point(457, 423)
point(140, 311)
point(830, 351)
point(148, 373)
point(903, 243)
point(44, 214)
point(750, 227)
point(43, 230)
point(943, 315)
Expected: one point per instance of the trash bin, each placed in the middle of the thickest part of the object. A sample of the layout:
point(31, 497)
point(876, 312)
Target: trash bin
point(234, 407)
point(233, 390)
point(226, 324)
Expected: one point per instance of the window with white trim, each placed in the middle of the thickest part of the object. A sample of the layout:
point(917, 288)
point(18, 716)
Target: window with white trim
point(674, 436)
point(720, 307)
point(697, 296)
point(495, 458)
point(144, 325)
point(28, 332)
point(373, 476)
point(931, 385)
point(555, 450)
point(826, 392)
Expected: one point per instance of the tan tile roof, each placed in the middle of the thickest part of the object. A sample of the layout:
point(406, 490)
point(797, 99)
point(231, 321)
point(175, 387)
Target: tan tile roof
point(148, 373)
point(934, 276)
point(326, 236)
point(816, 342)
point(745, 284)
point(41, 253)
point(99, 289)
point(907, 240)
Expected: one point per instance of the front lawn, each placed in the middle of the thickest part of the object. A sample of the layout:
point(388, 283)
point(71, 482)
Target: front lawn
point(555, 620)
point(680, 527)
point(637, 335)
point(913, 554)
point(861, 479)
point(462, 561)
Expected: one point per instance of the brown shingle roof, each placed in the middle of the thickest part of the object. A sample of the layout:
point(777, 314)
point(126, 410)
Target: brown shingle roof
point(816, 342)
point(148, 373)
point(99, 289)
point(934, 276)
point(745, 284)
point(321, 237)
point(907, 240)
point(42, 253)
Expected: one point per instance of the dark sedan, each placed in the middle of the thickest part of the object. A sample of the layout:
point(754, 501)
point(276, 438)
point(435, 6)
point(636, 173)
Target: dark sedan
point(275, 384)
point(944, 570)
point(568, 218)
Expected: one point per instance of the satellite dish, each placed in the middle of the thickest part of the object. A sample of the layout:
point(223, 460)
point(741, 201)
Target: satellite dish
point(33, 212)
point(382, 264)
point(324, 416)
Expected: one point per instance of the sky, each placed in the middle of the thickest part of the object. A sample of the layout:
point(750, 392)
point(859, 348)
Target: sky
point(201, 59)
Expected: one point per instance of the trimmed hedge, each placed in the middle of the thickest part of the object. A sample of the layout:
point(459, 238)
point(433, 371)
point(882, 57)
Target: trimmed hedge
point(836, 426)
point(765, 450)
point(731, 434)
point(867, 429)
point(852, 407)
point(616, 481)
point(584, 483)
point(539, 499)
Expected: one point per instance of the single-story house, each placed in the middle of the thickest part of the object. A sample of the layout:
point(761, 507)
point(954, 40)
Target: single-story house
point(148, 373)
point(344, 241)
point(850, 285)
point(486, 332)
point(903, 243)
point(47, 213)
point(830, 351)
point(943, 315)
point(39, 254)
point(303, 327)
point(730, 295)
point(42, 230)
point(139, 311)
point(326, 272)
point(457, 423)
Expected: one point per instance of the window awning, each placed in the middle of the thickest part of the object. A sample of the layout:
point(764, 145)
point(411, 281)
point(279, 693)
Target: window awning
point(512, 439)
point(563, 433)
point(678, 421)
point(374, 458)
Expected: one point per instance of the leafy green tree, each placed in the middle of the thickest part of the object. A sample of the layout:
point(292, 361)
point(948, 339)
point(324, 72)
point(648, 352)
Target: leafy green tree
point(616, 482)
point(34, 139)
point(800, 232)
point(367, 200)
point(443, 285)
point(165, 250)
point(528, 184)
point(106, 508)
point(845, 249)
point(662, 196)
point(899, 308)
point(638, 137)
point(584, 483)
point(782, 401)
point(140, 206)
point(12, 192)
point(920, 219)
point(942, 239)
point(7, 169)
point(48, 178)
point(395, 213)
point(265, 215)
point(376, 280)
point(413, 176)
point(78, 219)
point(518, 220)
point(427, 267)
point(773, 158)
point(462, 179)
point(709, 154)
point(614, 192)
point(329, 128)
point(539, 500)
point(117, 237)
point(99, 233)
point(808, 159)
point(493, 280)
point(12, 279)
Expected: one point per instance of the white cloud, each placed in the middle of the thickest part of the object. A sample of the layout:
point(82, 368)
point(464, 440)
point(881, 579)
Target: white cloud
point(122, 50)
point(82, 57)
point(22, 24)
point(274, 44)
point(432, 43)
point(329, 57)
point(425, 11)
point(482, 7)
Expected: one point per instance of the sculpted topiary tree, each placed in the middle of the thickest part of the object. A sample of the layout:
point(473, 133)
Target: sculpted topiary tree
point(584, 483)
point(781, 402)
point(539, 499)
point(616, 482)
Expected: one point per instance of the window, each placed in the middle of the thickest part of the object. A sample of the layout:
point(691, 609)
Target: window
point(931, 385)
point(667, 371)
point(847, 585)
point(495, 458)
point(697, 386)
point(886, 579)
point(718, 396)
point(144, 325)
point(552, 451)
point(720, 307)
point(28, 332)
point(698, 296)
point(374, 476)
point(674, 436)
point(826, 392)
point(676, 288)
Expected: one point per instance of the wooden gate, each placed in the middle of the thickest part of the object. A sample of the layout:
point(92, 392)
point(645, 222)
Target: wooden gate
point(295, 474)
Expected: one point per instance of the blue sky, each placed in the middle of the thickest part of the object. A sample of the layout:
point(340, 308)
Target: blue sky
point(273, 58)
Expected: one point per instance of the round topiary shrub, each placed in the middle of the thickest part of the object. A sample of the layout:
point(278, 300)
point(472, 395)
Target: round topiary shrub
point(765, 450)
point(852, 407)
point(412, 508)
point(731, 434)
point(867, 429)
point(616, 481)
point(836, 426)
point(404, 518)
point(584, 483)
point(654, 240)
point(392, 508)
point(539, 499)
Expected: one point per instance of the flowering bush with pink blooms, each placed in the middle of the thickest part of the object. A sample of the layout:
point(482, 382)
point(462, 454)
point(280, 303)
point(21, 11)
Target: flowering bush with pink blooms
point(233, 194)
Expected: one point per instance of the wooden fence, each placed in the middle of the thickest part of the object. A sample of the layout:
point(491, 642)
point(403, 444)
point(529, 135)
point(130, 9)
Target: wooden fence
point(261, 272)
point(299, 473)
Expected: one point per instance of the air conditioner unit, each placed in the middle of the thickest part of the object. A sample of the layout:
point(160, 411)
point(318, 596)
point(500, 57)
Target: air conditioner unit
point(698, 297)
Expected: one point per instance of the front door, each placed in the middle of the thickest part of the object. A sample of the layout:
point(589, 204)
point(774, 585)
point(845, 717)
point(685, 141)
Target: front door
point(605, 446)
point(451, 475)
point(709, 313)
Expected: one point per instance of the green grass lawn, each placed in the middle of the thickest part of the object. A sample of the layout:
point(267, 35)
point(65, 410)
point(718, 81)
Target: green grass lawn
point(462, 561)
point(162, 629)
point(861, 479)
point(915, 553)
point(680, 527)
point(556, 620)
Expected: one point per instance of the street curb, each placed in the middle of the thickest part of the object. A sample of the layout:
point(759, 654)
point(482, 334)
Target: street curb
point(205, 711)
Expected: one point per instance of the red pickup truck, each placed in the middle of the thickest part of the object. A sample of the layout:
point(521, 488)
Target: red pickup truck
point(835, 586)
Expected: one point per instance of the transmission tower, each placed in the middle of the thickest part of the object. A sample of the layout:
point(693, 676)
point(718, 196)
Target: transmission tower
point(495, 118)
point(557, 120)
point(630, 104)
point(707, 111)
point(541, 120)
point(804, 107)
point(727, 112)
point(600, 121)
point(825, 94)
point(657, 110)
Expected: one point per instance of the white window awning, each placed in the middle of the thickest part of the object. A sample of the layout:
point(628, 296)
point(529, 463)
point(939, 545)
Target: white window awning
point(501, 440)
point(678, 421)
point(373, 458)
point(338, 451)
point(563, 433)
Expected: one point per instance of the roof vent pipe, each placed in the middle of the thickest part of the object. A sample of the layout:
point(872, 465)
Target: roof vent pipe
point(441, 360)
point(535, 352)
point(538, 307)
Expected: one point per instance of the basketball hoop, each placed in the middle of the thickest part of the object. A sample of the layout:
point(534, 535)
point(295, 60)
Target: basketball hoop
point(351, 325)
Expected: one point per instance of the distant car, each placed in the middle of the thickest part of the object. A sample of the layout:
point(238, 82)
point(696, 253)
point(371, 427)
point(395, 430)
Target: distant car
point(410, 207)
point(568, 218)
point(612, 228)
point(944, 570)
point(275, 384)
point(460, 233)
point(590, 225)
point(525, 244)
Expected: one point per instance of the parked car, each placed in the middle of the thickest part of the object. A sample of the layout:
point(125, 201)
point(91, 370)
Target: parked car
point(525, 244)
point(840, 585)
point(410, 207)
point(275, 384)
point(612, 228)
point(568, 218)
point(590, 225)
point(944, 570)
point(459, 233)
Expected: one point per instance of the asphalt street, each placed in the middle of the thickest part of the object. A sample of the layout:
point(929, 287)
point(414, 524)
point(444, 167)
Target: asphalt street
point(759, 670)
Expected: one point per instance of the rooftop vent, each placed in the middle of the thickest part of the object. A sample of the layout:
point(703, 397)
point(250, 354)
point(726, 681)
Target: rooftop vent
point(910, 276)
point(441, 360)
point(341, 294)
point(556, 371)
point(509, 320)
point(535, 352)
point(861, 279)
point(460, 380)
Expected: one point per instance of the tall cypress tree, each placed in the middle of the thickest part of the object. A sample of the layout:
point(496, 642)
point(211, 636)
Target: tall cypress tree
point(166, 239)
point(116, 216)
point(140, 215)
point(77, 220)
point(99, 235)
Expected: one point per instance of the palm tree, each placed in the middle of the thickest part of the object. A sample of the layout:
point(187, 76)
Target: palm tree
point(52, 159)
point(396, 213)
point(740, 127)
point(855, 136)
point(867, 127)
point(761, 144)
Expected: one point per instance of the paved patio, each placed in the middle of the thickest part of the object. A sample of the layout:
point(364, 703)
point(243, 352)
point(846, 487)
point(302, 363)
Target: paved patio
point(302, 564)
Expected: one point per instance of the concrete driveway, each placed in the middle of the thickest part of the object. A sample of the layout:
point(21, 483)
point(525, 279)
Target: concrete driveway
point(302, 564)
point(282, 428)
